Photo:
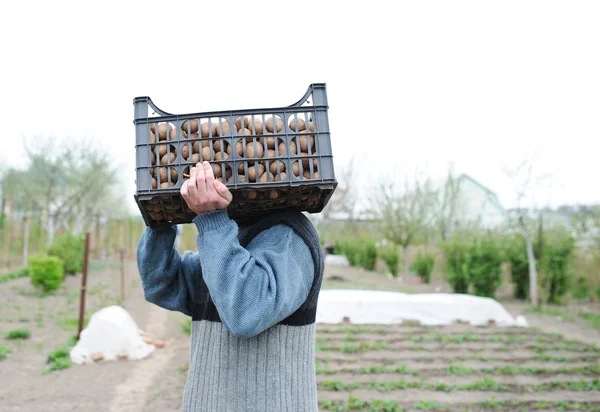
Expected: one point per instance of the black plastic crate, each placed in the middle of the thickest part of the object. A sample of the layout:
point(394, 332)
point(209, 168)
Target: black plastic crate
point(280, 159)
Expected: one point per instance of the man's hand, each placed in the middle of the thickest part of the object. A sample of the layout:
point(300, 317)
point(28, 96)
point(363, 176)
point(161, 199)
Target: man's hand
point(202, 192)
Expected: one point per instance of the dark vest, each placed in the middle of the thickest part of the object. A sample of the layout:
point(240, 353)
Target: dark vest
point(204, 307)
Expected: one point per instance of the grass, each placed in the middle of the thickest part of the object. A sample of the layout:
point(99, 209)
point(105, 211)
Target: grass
point(186, 326)
point(592, 319)
point(367, 370)
point(18, 334)
point(14, 275)
point(71, 323)
point(4, 351)
point(59, 358)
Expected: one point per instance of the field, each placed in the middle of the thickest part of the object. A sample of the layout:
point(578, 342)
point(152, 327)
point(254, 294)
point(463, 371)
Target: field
point(551, 366)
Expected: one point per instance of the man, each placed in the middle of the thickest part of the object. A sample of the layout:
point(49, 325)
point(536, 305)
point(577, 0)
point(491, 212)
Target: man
point(251, 290)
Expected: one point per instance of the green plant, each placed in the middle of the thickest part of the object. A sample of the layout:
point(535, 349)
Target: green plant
point(46, 272)
point(4, 351)
point(186, 326)
point(485, 266)
point(516, 254)
point(18, 334)
point(59, 358)
point(423, 266)
point(555, 270)
point(69, 249)
point(21, 273)
point(391, 256)
point(360, 252)
point(457, 263)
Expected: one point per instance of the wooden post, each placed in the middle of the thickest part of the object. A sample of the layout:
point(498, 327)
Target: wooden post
point(86, 253)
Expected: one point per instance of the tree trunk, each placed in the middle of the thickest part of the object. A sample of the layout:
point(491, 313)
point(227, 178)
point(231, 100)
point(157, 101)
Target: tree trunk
point(26, 226)
point(51, 229)
point(532, 270)
point(406, 263)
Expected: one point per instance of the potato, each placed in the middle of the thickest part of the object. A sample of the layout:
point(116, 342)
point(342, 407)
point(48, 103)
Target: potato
point(241, 168)
point(168, 158)
point(252, 175)
point(217, 170)
point(238, 123)
point(305, 141)
point(271, 153)
point(273, 167)
point(258, 126)
point(197, 144)
point(281, 149)
point(185, 151)
point(278, 122)
point(296, 169)
point(293, 147)
point(165, 185)
point(152, 172)
point(311, 127)
point(196, 157)
point(152, 138)
point(174, 175)
point(273, 194)
point(162, 131)
point(224, 128)
point(252, 195)
point(239, 148)
point(229, 150)
point(205, 132)
point(282, 176)
point(307, 175)
point(305, 160)
point(228, 173)
point(206, 153)
point(267, 177)
point(193, 125)
point(270, 141)
point(217, 145)
point(153, 128)
point(254, 150)
point(246, 132)
point(242, 178)
point(163, 174)
point(152, 158)
point(154, 183)
point(194, 136)
point(301, 124)
point(221, 156)
point(163, 149)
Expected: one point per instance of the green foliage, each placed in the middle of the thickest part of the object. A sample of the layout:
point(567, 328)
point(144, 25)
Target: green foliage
point(555, 271)
point(60, 358)
point(391, 256)
point(69, 248)
point(186, 326)
point(14, 275)
point(423, 266)
point(18, 334)
point(516, 253)
point(46, 272)
point(485, 266)
point(456, 252)
point(4, 351)
point(359, 251)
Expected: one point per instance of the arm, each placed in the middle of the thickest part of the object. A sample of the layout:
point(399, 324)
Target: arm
point(254, 288)
point(168, 279)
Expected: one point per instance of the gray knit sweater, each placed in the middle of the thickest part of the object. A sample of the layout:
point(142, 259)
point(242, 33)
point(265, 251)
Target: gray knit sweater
point(243, 359)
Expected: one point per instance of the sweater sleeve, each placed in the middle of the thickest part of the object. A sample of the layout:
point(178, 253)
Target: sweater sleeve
point(168, 278)
point(256, 287)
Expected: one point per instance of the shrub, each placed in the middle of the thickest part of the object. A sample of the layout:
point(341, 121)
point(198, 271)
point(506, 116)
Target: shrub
point(485, 266)
point(457, 264)
point(69, 248)
point(360, 252)
point(18, 334)
point(556, 273)
point(46, 272)
point(516, 253)
point(391, 256)
point(423, 266)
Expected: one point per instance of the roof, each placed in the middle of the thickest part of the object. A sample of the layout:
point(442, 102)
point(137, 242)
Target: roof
point(490, 194)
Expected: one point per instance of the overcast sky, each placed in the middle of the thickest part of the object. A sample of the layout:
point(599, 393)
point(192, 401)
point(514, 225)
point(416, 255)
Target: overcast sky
point(420, 84)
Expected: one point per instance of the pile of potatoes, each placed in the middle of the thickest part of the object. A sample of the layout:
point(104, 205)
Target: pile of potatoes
point(252, 143)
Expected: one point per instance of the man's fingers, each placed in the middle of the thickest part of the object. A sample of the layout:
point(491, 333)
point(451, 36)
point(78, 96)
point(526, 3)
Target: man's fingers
point(223, 191)
point(201, 183)
point(191, 182)
point(210, 179)
point(184, 191)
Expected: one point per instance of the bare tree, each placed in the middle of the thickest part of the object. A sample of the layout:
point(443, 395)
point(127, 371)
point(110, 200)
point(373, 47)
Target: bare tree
point(404, 214)
point(447, 205)
point(524, 184)
point(343, 200)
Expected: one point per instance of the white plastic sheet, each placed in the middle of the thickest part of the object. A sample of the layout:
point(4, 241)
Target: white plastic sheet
point(379, 307)
point(337, 260)
point(112, 332)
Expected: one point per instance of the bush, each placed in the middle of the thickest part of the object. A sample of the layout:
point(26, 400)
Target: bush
point(555, 271)
point(46, 272)
point(457, 264)
point(360, 252)
point(423, 266)
point(18, 334)
point(391, 256)
point(516, 255)
point(485, 266)
point(69, 248)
